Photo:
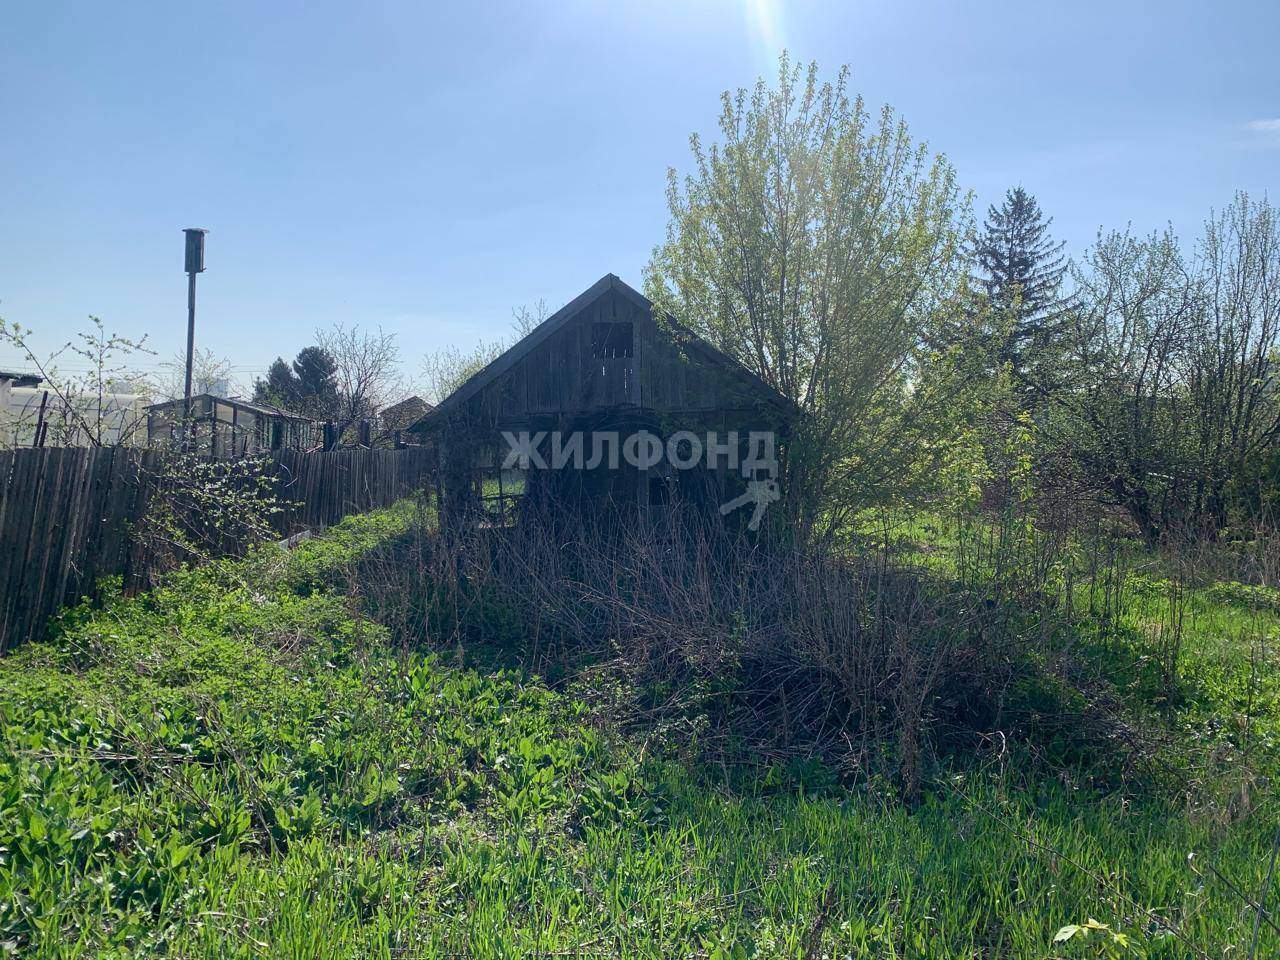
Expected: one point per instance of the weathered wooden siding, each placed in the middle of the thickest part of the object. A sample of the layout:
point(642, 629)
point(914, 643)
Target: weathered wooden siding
point(562, 375)
point(680, 380)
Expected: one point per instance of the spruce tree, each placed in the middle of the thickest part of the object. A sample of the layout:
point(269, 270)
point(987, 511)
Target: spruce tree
point(1022, 271)
point(309, 386)
point(280, 389)
point(315, 373)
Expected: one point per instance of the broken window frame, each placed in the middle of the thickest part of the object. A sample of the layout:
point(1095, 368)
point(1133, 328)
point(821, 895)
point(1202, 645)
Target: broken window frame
point(613, 339)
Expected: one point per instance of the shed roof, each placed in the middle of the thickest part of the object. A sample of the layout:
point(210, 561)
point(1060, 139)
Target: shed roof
point(21, 379)
point(260, 408)
point(519, 350)
point(406, 405)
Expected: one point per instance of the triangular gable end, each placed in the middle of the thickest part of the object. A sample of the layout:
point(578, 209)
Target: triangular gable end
point(682, 336)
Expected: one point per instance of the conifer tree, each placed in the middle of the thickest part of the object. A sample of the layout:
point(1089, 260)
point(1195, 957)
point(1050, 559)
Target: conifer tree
point(280, 388)
point(315, 373)
point(308, 387)
point(1022, 271)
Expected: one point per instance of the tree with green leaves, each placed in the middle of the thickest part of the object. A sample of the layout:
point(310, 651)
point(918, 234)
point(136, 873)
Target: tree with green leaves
point(1178, 410)
point(1021, 273)
point(101, 406)
point(815, 243)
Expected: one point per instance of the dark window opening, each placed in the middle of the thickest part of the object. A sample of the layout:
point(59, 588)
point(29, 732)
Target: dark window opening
point(612, 340)
point(498, 491)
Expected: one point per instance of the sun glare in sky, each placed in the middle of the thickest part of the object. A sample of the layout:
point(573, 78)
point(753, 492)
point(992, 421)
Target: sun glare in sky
point(448, 162)
point(765, 21)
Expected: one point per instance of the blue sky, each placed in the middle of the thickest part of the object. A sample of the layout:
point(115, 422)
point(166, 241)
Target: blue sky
point(427, 168)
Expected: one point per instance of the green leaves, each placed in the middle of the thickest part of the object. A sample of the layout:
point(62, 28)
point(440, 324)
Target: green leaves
point(1107, 942)
point(183, 744)
point(201, 509)
point(813, 241)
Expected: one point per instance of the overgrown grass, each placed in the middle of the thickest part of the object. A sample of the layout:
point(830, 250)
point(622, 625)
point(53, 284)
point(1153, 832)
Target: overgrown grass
point(241, 765)
point(1169, 634)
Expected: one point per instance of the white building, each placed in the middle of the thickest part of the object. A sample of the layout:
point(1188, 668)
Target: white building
point(8, 381)
point(78, 421)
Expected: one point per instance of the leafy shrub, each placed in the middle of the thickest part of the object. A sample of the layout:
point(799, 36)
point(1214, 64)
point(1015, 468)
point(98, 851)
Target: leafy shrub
point(1245, 595)
point(199, 509)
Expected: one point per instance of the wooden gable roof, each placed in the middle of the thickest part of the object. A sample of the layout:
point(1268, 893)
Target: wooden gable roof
point(686, 340)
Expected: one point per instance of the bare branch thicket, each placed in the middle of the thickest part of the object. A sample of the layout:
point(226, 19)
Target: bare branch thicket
point(446, 369)
point(208, 371)
point(367, 370)
point(861, 659)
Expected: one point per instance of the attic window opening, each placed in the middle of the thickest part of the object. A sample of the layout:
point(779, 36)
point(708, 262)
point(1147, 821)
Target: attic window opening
point(612, 340)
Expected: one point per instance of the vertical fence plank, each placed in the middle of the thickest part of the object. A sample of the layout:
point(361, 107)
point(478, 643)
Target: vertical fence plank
point(67, 515)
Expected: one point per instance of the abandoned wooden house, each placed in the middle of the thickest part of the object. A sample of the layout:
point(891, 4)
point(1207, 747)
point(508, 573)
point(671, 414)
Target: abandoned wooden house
point(603, 401)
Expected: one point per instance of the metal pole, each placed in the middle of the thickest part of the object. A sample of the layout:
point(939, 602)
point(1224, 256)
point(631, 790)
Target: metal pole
point(41, 426)
point(191, 346)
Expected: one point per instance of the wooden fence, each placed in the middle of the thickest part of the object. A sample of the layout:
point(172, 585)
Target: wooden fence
point(66, 514)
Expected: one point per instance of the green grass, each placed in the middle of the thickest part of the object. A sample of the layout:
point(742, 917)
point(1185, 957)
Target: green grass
point(239, 765)
point(1225, 680)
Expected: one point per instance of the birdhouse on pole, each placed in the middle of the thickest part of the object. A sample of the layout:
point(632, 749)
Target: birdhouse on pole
point(195, 249)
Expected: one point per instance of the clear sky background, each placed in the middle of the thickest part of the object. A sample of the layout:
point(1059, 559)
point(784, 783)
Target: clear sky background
point(427, 168)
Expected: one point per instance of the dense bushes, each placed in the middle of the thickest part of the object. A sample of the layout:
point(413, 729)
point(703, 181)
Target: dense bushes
point(876, 662)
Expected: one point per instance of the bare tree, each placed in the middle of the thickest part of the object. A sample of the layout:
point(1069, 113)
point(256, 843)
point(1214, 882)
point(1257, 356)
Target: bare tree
point(1231, 378)
point(209, 372)
point(367, 370)
point(1179, 401)
point(449, 367)
point(525, 318)
point(1129, 340)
